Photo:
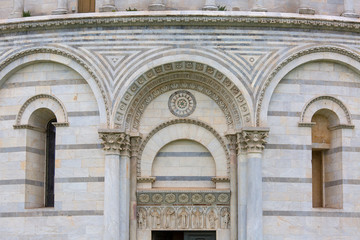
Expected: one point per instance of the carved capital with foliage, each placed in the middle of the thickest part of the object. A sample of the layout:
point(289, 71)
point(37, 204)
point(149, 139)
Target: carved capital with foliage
point(252, 140)
point(115, 142)
point(135, 142)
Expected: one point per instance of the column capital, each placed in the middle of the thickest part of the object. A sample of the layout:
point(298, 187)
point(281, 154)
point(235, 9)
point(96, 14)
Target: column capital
point(252, 140)
point(232, 141)
point(135, 142)
point(115, 141)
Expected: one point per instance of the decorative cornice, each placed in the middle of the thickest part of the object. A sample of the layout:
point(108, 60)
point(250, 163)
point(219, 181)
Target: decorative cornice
point(252, 140)
point(316, 49)
point(26, 126)
point(177, 18)
point(342, 126)
point(115, 142)
point(177, 121)
point(220, 179)
point(182, 75)
point(61, 52)
point(306, 124)
point(146, 179)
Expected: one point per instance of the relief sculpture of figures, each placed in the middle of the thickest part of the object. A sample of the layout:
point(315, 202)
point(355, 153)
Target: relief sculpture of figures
point(156, 221)
point(169, 215)
point(197, 218)
point(183, 218)
point(141, 218)
point(225, 214)
point(212, 219)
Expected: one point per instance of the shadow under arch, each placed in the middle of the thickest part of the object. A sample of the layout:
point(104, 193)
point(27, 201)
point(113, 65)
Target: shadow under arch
point(51, 54)
point(331, 53)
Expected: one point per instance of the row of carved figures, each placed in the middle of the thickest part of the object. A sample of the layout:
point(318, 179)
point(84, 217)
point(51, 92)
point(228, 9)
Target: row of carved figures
point(183, 217)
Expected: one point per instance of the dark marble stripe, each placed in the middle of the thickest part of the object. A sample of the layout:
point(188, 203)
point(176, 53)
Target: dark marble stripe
point(334, 183)
point(22, 149)
point(34, 183)
point(52, 213)
point(355, 117)
point(79, 179)
point(343, 149)
point(183, 154)
point(288, 146)
point(286, 180)
point(311, 214)
point(83, 114)
point(7, 117)
point(321, 83)
point(44, 83)
point(78, 146)
point(183, 178)
point(284, 114)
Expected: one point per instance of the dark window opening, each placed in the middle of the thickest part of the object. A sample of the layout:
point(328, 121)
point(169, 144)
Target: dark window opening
point(86, 6)
point(50, 163)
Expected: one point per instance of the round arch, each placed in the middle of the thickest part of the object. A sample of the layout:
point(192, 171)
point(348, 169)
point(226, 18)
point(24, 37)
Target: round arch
point(183, 129)
point(328, 53)
point(174, 75)
point(49, 54)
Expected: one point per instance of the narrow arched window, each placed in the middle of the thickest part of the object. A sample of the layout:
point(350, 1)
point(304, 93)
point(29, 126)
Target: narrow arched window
point(50, 163)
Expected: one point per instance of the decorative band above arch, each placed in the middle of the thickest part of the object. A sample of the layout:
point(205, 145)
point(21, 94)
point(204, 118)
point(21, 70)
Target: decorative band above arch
point(39, 101)
point(328, 103)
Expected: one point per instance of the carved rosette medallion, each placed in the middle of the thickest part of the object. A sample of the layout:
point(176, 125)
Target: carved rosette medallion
point(182, 103)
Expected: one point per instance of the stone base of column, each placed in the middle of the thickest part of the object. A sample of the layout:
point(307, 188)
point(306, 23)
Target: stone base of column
point(350, 15)
point(157, 7)
point(107, 8)
point(210, 8)
point(306, 10)
point(59, 11)
point(16, 15)
point(259, 9)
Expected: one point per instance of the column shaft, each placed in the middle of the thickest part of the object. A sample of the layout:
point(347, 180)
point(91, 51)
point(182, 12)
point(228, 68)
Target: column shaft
point(112, 197)
point(349, 10)
point(18, 9)
point(233, 189)
point(242, 198)
point(157, 5)
point(254, 197)
point(124, 197)
point(304, 8)
point(61, 7)
point(210, 5)
point(133, 183)
point(108, 6)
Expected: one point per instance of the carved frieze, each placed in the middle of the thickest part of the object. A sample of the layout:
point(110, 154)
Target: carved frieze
point(183, 217)
point(174, 198)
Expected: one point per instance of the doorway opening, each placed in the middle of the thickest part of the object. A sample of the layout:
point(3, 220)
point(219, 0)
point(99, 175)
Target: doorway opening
point(178, 235)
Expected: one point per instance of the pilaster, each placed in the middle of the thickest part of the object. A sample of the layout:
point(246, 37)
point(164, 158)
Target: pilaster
point(157, 5)
point(18, 9)
point(108, 6)
point(305, 9)
point(349, 10)
point(210, 5)
point(258, 6)
point(61, 7)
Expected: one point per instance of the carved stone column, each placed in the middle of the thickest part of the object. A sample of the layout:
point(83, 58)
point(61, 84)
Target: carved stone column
point(108, 6)
point(258, 6)
point(242, 188)
point(18, 9)
point(349, 10)
point(210, 5)
point(135, 143)
point(117, 184)
point(253, 142)
point(233, 185)
point(304, 8)
point(61, 7)
point(157, 5)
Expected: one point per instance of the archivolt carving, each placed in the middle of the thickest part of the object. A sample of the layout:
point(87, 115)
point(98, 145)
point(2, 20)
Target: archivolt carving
point(306, 119)
point(68, 55)
point(62, 118)
point(182, 75)
point(332, 49)
point(177, 121)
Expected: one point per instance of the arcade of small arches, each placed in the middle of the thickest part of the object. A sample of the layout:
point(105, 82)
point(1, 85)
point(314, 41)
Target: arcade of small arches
point(239, 135)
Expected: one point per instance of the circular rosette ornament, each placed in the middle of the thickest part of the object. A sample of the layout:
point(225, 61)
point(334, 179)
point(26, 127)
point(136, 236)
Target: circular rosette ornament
point(144, 198)
point(196, 198)
point(170, 198)
point(223, 198)
point(210, 198)
point(157, 198)
point(183, 198)
point(182, 103)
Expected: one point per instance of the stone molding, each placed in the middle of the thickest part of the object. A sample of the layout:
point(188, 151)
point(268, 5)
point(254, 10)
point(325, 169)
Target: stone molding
point(190, 18)
point(115, 142)
point(62, 119)
point(183, 197)
point(252, 140)
point(177, 121)
point(66, 54)
point(220, 179)
point(305, 119)
point(182, 75)
point(279, 67)
point(146, 179)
